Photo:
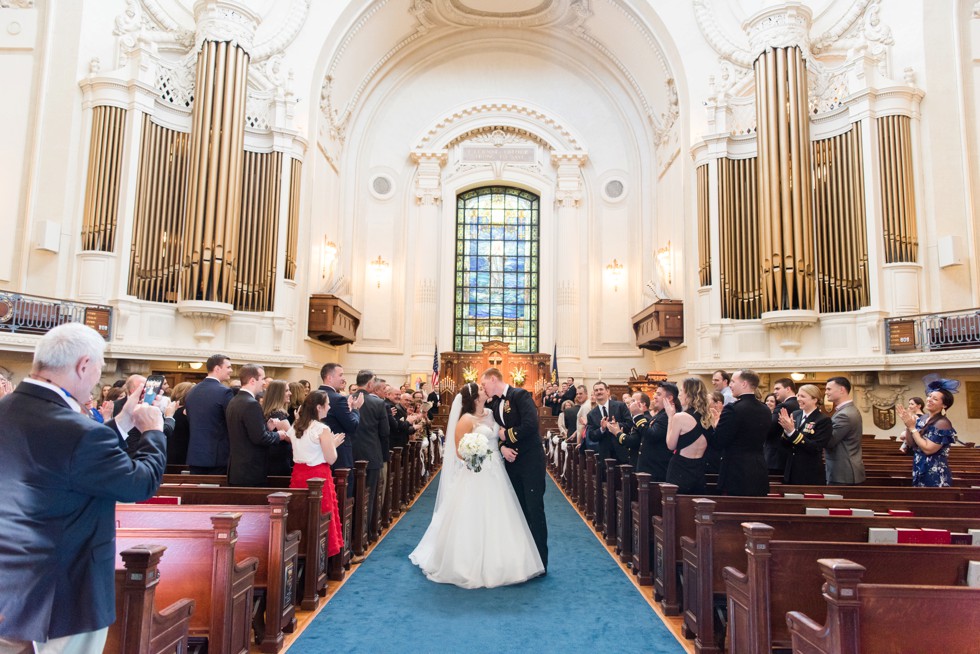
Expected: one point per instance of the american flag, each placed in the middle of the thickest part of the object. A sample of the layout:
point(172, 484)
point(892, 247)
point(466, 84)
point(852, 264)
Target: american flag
point(435, 369)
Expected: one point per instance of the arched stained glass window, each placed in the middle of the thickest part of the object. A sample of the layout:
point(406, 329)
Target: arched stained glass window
point(497, 241)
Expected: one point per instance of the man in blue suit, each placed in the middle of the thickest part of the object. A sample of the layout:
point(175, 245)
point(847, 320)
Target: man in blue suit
point(61, 474)
point(207, 447)
point(343, 417)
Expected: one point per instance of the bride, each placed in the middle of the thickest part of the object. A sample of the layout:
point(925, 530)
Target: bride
point(478, 537)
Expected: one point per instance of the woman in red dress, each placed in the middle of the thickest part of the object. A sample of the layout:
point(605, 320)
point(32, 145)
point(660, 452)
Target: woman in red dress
point(314, 450)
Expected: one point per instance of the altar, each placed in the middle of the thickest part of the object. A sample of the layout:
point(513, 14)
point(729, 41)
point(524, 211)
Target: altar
point(532, 372)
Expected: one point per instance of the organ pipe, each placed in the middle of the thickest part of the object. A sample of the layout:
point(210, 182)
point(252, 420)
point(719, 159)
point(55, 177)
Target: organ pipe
point(104, 171)
point(214, 198)
point(784, 170)
point(740, 269)
point(258, 232)
point(159, 215)
point(839, 219)
point(292, 230)
point(897, 189)
point(704, 227)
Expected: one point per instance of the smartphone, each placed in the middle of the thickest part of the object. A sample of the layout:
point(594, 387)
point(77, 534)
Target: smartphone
point(152, 388)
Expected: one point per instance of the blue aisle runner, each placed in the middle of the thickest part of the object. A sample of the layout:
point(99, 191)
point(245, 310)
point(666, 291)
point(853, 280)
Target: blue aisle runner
point(585, 604)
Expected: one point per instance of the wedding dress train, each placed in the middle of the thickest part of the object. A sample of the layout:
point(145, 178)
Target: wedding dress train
point(478, 537)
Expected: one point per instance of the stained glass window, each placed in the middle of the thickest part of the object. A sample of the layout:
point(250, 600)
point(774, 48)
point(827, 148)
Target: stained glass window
point(497, 243)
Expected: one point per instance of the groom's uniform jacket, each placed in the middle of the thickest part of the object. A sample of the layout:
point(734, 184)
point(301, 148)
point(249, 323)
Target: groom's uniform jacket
point(517, 413)
point(520, 422)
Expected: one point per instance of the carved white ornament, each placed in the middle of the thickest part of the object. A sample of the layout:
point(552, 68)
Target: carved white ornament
point(16, 4)
point(782, 26)
point(224, 21)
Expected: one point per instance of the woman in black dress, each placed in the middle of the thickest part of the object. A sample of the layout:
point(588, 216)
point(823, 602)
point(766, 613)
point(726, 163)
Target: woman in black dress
point(686, 437)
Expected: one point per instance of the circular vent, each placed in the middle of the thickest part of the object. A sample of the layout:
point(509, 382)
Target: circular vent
point(614, 189)
point(381, 185)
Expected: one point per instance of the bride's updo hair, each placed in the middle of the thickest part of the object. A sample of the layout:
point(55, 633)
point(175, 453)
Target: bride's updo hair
point(469, 394)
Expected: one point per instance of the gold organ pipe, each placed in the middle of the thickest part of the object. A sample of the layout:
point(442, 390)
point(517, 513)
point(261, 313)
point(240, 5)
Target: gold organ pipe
point(899, 227)
point(292, 242)
point(103, 175)
point(785, 204)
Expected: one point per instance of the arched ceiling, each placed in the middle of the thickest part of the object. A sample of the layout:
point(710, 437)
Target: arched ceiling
point(615, 36)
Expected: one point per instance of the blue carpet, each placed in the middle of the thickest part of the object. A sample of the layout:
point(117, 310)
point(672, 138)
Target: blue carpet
point(585, 604)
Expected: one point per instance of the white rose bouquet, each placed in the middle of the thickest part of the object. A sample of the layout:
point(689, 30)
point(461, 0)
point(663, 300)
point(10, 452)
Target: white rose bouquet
point(474, 449)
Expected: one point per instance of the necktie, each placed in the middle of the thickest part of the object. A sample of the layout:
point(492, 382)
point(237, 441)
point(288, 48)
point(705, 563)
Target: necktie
point(604, 413)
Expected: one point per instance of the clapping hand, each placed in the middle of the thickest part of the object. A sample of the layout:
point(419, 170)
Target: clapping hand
point(355, 402)
point(106, 410)
point(669, 408)
point(614, 427)
point(604, 424)
point(715, 415)
point(5, 386)
point(906, 416)
point(786, 422)
point(338, 439)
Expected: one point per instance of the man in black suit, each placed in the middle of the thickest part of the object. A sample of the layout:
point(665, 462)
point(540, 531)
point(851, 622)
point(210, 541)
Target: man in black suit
point(775, 451)
point(740, 435)
point(249, 433)
point(650, 434)
point(569, 390)
point(207, 445)
point(61, 474)
point(400, 429)
point(514, 409)
point(372, 431)
point(342, 417)
point(433, 399)
point(606, 412)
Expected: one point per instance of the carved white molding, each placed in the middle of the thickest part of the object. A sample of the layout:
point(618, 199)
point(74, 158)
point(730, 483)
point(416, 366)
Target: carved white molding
point(782, 26)
point(224, 20)
point(16, 4)
point(500, 112)
point(206, 317)
point(568, 185)
point(789, 326)
point(425, 312)
point(525, 15)
point(428, 175)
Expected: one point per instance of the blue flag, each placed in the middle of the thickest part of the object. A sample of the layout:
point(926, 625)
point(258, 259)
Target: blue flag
point(554, 365)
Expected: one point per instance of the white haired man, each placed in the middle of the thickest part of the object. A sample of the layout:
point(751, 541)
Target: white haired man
point(61, 475)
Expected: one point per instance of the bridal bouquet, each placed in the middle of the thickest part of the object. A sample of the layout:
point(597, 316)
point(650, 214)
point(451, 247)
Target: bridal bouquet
point(475, 450)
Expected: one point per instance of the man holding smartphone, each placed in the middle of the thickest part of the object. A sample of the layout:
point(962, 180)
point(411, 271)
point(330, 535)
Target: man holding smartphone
point(61, 475)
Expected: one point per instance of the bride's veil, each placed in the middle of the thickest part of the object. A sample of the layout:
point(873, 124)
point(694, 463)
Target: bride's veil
point(449, 461)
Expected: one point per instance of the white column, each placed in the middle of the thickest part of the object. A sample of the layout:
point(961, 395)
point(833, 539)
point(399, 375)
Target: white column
point(568, 227)
point(428, 197)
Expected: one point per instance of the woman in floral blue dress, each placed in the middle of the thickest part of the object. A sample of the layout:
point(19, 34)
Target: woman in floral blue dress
point(929, 438)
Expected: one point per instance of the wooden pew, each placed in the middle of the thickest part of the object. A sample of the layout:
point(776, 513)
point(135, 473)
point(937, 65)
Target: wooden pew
point(200, 565)
point(677, 521)
point(396, 466)
point(863, 617)
point(781, 577)
point(139, 628)
point(338, 564)
point(610, 488)
point(624, 513)
point(261, 534)
point(359, 538)
point(304, 515)
point(720, 543)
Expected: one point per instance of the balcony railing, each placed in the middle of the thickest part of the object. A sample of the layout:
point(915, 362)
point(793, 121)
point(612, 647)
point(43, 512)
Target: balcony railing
point(931, 332)
point(30, 314)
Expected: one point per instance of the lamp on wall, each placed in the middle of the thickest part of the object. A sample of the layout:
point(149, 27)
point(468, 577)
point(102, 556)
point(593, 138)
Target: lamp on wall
point(328, 254)
point(196, 365)
point(797, 376)
point(379, 266)
point(665, 261)
point(615, 270)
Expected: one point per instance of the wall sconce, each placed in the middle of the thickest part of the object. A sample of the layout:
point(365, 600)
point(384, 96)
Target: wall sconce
point(665, 261)
point(797, 376)
point(379, 266)
point(196, 365)
point(328, 254)
point(615, 270)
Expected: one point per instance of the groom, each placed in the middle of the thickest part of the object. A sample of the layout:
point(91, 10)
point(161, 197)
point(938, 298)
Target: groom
point(514, 409)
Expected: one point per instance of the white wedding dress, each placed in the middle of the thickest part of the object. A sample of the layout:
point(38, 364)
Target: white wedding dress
point(478, 537)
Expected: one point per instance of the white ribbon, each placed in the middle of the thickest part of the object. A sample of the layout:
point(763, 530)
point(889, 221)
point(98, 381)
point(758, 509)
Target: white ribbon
point(434, 439)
